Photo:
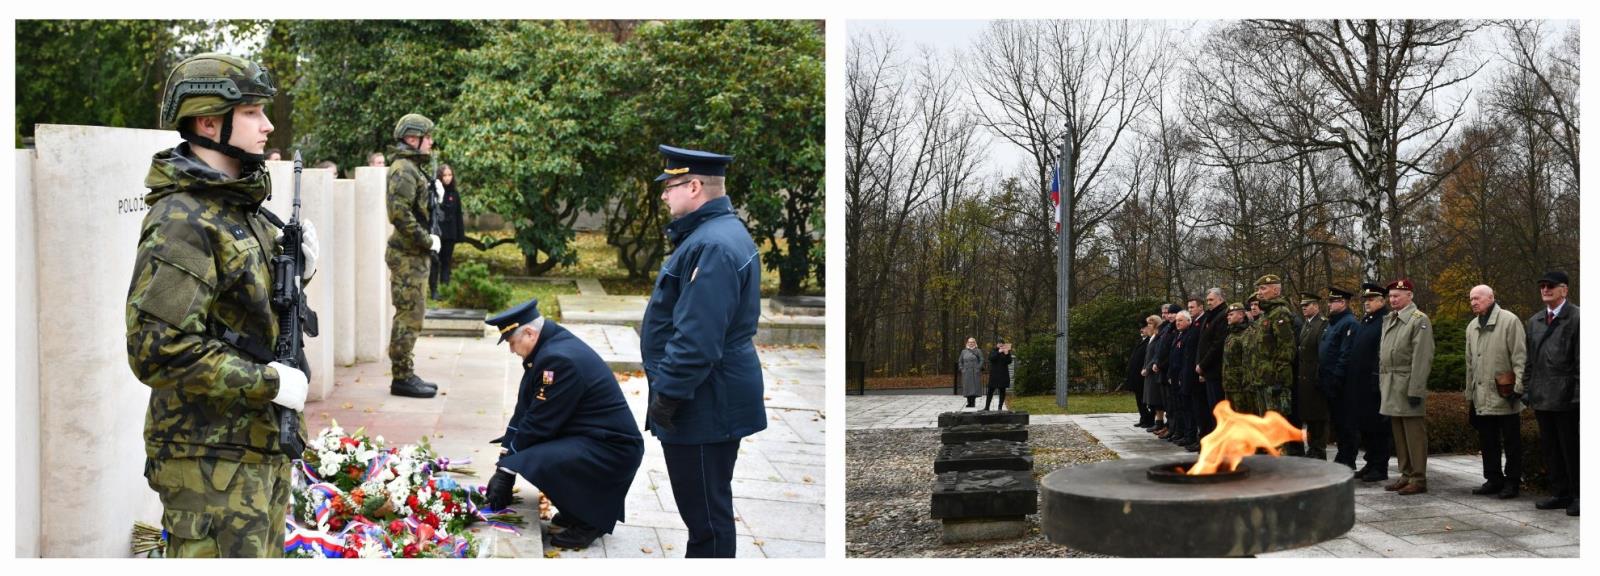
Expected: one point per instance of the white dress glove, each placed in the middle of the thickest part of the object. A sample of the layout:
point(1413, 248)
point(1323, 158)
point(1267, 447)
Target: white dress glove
point(438, 190)
point(308, 248)
point(292, 387)
point(434, 239)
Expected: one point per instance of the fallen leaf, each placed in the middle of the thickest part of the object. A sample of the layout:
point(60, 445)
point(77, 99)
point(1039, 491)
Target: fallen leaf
point(347, 405)
point(806, 479)
point(552, 553)
point(760, 542)
point(367, 410)
point(647, 550)
point(666, 546)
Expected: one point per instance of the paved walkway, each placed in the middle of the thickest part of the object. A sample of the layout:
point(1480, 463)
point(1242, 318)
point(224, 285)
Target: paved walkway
point(1448, 521)
point(778, 482)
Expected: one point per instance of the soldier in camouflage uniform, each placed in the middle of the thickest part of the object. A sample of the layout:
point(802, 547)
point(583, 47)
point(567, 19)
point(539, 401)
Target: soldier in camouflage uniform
point(1235, 362)
point(200, 322)
point(410, 247)
point(1275, 349)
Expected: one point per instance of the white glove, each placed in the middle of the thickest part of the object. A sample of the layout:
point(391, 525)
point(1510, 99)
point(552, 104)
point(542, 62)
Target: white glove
point(292, 387)
point(308, 248)
point(434, 239)
point(438, 190)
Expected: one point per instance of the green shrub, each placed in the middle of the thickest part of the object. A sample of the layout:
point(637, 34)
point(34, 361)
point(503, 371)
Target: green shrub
point(471, 286)
point(1036, 365)
point(1449, 354)
point(1103, 331)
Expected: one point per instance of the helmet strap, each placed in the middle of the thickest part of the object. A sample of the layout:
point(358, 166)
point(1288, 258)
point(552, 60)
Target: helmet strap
point(248, 162)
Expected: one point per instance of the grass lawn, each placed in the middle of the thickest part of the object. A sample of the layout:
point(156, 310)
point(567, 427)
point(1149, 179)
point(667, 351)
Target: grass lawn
point(1076, 404)
point(522, 290)
point(596, 259)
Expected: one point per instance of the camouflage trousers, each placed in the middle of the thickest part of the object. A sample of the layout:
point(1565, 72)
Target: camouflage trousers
point(1277, 399)
point(1246, 400)
point(220, 508)
point(408, 282)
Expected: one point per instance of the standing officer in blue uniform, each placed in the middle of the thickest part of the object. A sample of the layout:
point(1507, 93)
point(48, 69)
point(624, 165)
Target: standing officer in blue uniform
point(1361, 394)
point(1333, 352)
point(571, 435)
point(698, 349)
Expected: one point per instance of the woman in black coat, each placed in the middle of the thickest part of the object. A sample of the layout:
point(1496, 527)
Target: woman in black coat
point(999, 374)
point(452, 228)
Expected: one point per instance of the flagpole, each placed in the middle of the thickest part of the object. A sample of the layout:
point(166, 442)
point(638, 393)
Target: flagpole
point(1064, 179)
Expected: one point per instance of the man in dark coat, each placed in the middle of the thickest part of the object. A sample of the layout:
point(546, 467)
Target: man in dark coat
point(1310, 406)
point(1333, 353)
point(1185, 380)
point(1208, 366)
point(571, 434)
point(1361, 395)
point(1133, 381)
point(1552, 387)
point(1155, 375)
point(697, 344)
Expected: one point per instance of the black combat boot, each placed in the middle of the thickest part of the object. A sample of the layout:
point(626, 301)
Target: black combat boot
point(412, 387)
point(576, 537)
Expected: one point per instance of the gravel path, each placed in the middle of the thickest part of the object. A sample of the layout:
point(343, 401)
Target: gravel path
point(889, 484)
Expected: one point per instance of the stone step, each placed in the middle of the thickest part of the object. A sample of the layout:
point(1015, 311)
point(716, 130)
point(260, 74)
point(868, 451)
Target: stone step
point(984, 455)
point(984, 494)
point(454, 322)
point(773, 329)
point(983, 529)
point(949, 419)
point(979, 432)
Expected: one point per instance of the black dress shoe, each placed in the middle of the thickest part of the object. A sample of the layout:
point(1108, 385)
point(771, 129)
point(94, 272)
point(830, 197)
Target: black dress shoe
point(1573, 509)
point(1488, 488)
point(1195, 447)
point(412, 387)
point(575, 537)
point(1553, 503)
point(1375, 476)
point(1512, 490)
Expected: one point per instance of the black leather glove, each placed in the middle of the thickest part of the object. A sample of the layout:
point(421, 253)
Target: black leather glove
point(1415, 401)
point(662, 409)
point(500, 489)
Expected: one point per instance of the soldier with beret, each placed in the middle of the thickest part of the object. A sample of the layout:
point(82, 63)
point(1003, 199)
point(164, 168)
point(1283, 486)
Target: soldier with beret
point(697, 343)
point(1333, 357)
point(1405, 357)
point(1235, 362)
point(200, 322)
point(571, 434)
point(1311, 408)
point(1275, 350)
point(1552, 388)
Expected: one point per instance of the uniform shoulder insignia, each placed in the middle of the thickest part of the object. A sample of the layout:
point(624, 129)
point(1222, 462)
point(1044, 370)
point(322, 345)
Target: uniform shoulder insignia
point(1418, 314)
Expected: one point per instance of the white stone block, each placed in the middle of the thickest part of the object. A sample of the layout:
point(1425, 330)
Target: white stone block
point(372, 273)
point(343, 265)
point(27, 361)
point(89, 204)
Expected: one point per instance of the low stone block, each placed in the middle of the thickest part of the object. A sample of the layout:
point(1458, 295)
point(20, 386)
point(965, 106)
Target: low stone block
point(949, 419)
point(980, 432)
point(984, 455)
point(981, 529)
point(984, 494)
point(453, 322)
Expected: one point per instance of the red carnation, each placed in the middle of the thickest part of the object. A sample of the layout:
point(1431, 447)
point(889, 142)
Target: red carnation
point(397, 527)
point(410, 551)
point(412, 501)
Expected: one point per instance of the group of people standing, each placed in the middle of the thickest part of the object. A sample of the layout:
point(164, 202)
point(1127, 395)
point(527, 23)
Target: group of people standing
point(970, 365)
point(1361, 381)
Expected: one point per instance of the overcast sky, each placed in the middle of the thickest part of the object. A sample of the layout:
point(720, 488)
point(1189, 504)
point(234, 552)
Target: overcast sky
point(950, 37)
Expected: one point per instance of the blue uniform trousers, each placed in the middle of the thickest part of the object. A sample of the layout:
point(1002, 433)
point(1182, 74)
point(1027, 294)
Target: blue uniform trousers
point(702, 486)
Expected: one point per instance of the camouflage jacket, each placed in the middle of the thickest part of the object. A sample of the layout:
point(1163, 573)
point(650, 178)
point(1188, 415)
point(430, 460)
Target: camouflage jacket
point(408, 201)
point(203, 269)
point(1235, 358)
point(1275, 345)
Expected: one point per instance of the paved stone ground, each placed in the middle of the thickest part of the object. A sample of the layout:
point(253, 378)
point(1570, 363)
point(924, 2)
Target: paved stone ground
point(778, 482)
point(1448, 521)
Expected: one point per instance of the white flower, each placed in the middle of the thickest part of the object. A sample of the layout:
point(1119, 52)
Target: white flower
point(329, 467)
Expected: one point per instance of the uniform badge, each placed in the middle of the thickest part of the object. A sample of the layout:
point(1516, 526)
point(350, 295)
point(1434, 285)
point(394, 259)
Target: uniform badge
point(237, 231)
point(549, 378)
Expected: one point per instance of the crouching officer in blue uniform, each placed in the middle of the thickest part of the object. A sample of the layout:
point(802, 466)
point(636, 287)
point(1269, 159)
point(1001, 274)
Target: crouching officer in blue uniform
point(698, 349)
point(571, 435)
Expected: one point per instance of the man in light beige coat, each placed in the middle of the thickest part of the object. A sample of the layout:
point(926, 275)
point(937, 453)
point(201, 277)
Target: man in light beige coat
point(1497, 351)
point(1405, 356)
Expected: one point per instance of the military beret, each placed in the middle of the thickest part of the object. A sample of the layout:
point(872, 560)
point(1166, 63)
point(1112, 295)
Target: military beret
point(678, 161)
point(1235, 307)
point(1269, 279)
point(1251, 300)
point(1309, 298)
point(1369, 290)
point(1401, 284)
point(1554, 277)
point(1337, 293)
point(519, 315)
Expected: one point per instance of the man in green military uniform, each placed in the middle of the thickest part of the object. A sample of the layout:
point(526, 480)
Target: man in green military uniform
point(410, 247)
point(200, 322)
point(1234, 362)
point(1405, 357)
point(1275, 347)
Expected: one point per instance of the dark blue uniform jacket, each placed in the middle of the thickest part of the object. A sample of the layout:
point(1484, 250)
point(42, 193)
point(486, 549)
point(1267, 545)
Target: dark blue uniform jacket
point(697, 336)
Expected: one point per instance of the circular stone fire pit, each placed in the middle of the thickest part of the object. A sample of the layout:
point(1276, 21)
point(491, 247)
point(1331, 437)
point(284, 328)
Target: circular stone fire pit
point(1142, 508)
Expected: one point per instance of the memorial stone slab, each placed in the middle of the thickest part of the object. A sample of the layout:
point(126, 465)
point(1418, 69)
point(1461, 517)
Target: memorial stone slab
point(27, 334)
point(371, 279)
point(948, 419)
point(985, 494)
point(979, 432)
point(984, 455)
point(343, 264)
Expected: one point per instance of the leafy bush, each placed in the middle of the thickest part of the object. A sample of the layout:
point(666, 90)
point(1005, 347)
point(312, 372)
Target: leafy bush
point(1103, 331)
point(1449, 354)
point(471, 286)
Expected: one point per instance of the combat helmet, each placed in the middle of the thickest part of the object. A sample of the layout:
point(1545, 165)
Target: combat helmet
point(412, 125)
point(213, 84)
